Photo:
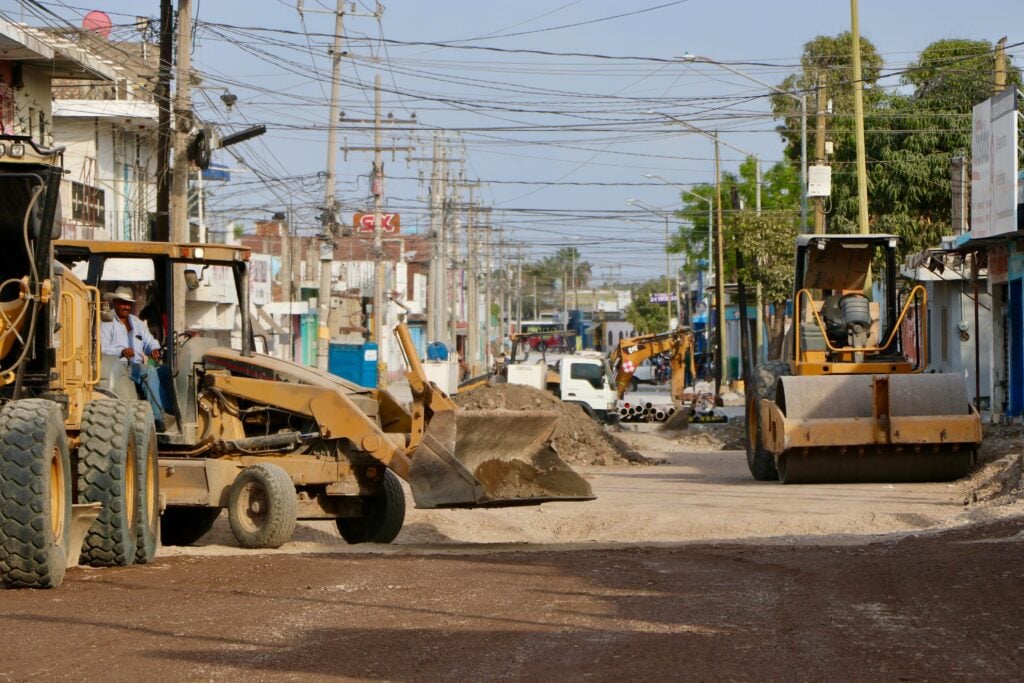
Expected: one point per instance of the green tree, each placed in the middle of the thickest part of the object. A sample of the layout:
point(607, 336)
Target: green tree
point(910, 137)
point(553, 274)
point(647, 317)
point(768, 243)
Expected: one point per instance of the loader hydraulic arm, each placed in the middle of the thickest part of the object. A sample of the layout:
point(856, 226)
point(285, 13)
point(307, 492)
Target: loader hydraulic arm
point(335, 415)
point(630, 352)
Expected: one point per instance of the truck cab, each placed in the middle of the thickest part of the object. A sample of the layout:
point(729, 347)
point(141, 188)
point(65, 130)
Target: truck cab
point(586, 379)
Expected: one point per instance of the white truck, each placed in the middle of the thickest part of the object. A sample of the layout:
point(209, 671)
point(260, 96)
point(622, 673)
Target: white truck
point(583, 378)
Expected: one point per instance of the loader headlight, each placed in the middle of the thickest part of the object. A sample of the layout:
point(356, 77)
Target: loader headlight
point(17, 150)
point(3, 149)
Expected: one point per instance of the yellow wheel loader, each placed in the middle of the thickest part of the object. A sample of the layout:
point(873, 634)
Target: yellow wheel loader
point(273, 441)
point(77, 467)
point(850, 400)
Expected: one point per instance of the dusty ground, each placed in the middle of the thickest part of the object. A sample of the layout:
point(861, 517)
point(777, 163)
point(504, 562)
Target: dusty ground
point(685, 570)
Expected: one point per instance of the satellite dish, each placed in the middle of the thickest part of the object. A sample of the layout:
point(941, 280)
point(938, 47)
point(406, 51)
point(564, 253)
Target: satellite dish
point(97, 22)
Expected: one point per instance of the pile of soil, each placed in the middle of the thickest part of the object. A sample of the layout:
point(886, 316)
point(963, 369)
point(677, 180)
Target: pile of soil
point(577, 438)
point(999, 478)
point(712, 437)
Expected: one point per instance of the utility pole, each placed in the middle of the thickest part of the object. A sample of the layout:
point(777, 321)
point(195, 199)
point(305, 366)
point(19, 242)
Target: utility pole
point(379, 301)
point(330, 213)
point(720, 337)
point(488, 360)
point(519, 288)
point(162, 94)
point(454, 283)
point(179, 179)
point(668, 277)
point(1000, 65)
point(182, 126)
point(858, 116)
point(472, 295)
point(819, 149)
point(436, 306)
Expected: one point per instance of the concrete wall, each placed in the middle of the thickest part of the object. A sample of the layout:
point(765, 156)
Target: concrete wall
point(122, 163)
point(950, 306)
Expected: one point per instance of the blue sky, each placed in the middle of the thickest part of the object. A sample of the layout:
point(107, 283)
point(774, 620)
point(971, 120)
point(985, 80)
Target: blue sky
point(559, 143)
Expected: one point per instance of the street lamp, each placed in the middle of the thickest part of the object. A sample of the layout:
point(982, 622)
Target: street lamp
point(668, 268)
point(802, 99)
point(718, 140)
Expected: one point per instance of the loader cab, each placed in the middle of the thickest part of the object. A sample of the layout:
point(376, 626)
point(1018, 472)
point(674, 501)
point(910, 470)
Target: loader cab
point(847, 308)
point(213, 281)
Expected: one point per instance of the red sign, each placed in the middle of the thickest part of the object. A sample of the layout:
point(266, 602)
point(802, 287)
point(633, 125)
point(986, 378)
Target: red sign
point(389, 222)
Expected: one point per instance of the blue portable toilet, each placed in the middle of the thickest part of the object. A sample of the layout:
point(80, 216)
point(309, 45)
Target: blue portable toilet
point(354, 362)
point(438, 351)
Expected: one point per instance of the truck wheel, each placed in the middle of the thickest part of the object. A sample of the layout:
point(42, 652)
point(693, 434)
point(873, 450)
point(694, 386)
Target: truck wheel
point(107, 474)
point(147, 476)
point(262, 506)
point(383, 515)
point(766, 377)
point(186, 525)
point(35, 495)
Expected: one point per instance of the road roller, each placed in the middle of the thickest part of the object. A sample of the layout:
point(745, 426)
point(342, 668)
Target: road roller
point(852, 399)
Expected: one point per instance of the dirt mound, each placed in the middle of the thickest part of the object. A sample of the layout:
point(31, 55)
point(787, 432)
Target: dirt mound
point(711, 437)
point(577, 438)
point(1000, 474)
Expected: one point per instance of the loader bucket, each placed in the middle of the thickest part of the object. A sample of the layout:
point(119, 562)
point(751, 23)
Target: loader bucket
point(871, 428)
point(491, 458)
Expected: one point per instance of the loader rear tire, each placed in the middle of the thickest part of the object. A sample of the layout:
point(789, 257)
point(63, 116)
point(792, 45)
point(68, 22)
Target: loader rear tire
point(383, 515)
point(107, 474)
point(262, 507)
point(186, 525)
point(760, 461)
point(147, 470)
point(35, 495)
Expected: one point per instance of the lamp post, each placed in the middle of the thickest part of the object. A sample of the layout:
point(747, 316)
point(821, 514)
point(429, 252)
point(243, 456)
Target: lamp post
point(718, 140)
point(668, 268)
point(802, 99)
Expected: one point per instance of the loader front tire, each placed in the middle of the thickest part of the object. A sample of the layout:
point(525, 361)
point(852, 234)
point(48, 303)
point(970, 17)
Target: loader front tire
point(147, 476)
point(383, 515)
point(186, 525)
point(760, 461)
point(35, 495)
point(262, 507)
point(107, 474)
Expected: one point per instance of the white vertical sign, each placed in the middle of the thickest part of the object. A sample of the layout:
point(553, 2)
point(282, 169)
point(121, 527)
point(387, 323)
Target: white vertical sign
point(994, 166)
point(981, 170)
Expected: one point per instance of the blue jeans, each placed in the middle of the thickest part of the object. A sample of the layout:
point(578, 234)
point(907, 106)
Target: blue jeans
point(146, 379)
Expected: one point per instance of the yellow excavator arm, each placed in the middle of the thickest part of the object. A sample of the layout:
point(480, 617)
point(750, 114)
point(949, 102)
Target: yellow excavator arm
point(632, 351)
